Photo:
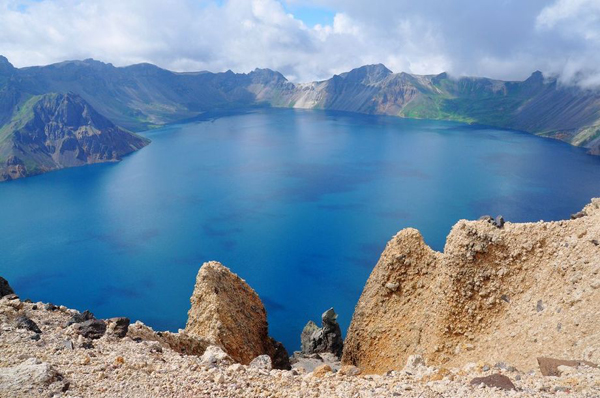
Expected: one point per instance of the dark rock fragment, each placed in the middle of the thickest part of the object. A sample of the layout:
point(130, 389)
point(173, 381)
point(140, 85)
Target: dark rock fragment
point(50, 307)
point(87, 345)
point(539, 306)
point(92, 329)
point(5, 288)
point(549, 366)
point(119, 326)
point(305, 336)
point(328, 338)
point(80, 317)
point(496, 380)
point(499, 221)
point(280, 358)
point(577, 215)
point(24, 322)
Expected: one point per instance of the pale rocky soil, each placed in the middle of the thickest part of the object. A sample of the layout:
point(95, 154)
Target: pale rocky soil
point(125, 368)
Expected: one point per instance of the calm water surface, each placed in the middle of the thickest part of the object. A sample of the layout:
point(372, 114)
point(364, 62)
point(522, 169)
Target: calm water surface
point(299, 203)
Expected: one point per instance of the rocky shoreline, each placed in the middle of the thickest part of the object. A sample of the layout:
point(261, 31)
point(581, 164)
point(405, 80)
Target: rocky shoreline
point(428, 324)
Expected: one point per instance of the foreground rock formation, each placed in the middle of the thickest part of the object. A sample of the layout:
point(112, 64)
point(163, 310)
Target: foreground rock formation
point(228, 312)
point(506, 294)
point(325, 339)
point(506, 310)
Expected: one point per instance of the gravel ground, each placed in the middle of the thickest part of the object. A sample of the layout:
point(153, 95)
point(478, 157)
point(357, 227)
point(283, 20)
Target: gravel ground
point(63, 363)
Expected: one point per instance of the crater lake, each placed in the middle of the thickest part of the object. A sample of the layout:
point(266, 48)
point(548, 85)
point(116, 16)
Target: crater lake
point(300, 204)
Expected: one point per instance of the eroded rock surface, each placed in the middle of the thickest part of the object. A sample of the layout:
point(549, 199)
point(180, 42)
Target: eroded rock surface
point(495, 294)
point(227, 311)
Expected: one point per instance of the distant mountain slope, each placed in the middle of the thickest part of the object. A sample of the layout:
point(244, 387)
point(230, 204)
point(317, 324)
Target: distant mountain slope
point(536, 105)
point(54, 131)
point(143, 96)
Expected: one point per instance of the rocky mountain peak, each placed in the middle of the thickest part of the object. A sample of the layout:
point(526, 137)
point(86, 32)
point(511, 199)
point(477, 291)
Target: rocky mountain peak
point(536, 77)
point(266, 75)
point(437, 79)
point(96, 63)
point(88, 64)
point(69, 110)
point(5, 65)
point(368, 74)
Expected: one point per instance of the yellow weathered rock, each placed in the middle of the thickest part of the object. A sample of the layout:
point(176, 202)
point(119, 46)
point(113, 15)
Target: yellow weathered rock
point(226, 311)
point(321, 371)
point(508, 294)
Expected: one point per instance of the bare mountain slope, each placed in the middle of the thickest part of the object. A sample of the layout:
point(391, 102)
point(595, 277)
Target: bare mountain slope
point(55, 131)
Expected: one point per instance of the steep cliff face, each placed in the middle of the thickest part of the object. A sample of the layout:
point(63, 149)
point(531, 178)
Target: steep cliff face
point(496, 294)
point(55, 131)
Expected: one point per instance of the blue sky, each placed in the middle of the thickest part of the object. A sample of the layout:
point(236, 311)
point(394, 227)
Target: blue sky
point(309, 14)
point(313, 39)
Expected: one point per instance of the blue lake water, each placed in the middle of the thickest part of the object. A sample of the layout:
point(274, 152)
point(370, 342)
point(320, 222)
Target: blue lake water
point(298, 203)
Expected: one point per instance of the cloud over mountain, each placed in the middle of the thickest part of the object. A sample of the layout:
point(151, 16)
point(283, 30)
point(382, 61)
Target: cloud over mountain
point(505, 39)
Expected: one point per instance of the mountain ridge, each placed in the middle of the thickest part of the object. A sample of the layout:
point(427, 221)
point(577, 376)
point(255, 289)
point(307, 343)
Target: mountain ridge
point(144, 96)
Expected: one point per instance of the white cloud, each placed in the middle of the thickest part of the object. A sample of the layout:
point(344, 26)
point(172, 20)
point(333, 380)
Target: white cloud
point(344, 25)
point(565, 10)
point(505, 39)
point(577, 24)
